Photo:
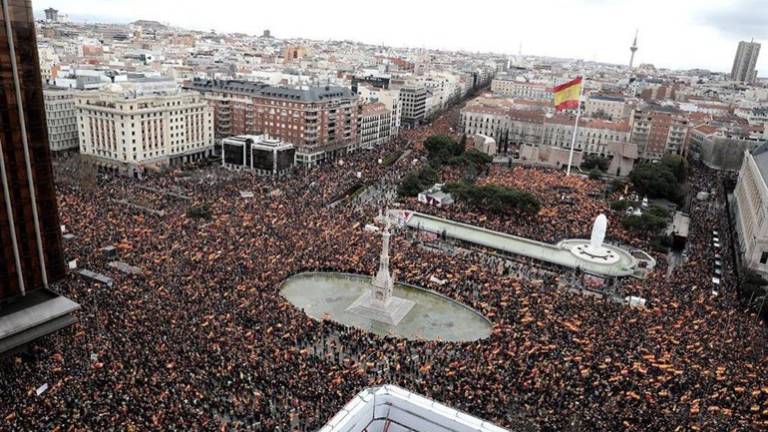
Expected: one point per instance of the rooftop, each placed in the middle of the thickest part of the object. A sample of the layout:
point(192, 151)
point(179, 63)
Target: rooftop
point(374, 108)
point(254, 88)
point(760, 155)
point(392, 408)
point(607, 98)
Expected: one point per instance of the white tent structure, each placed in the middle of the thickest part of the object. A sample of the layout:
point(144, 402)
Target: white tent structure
point(392, 409)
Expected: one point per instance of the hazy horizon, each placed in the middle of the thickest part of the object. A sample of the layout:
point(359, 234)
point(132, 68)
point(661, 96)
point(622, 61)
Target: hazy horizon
point(690, 34)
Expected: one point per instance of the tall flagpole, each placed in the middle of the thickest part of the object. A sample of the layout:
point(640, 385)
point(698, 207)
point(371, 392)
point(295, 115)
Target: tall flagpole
point(575, 127)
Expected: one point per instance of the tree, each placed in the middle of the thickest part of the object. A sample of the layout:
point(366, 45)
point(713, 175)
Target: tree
point(417, 181)
point(678, 165)
point(473, 160)
point(441, 148)
point(427, 176)
point(656, 181)
point(410, 186)
point(84, 172)
point(619, 205)
point(494, 198)
point(595, 174)
point(652, 221)
point(595, 162)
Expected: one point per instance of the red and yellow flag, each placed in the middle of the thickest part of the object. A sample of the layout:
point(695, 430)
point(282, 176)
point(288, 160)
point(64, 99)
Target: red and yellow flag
point(567, 95)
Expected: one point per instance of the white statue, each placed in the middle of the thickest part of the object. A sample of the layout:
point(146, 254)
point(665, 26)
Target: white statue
point(598, 233)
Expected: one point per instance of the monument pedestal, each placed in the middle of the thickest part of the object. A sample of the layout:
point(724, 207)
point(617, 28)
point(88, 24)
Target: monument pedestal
point(391, 314)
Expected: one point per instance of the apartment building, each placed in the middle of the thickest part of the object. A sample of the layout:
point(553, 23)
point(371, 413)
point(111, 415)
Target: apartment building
point(321, 121)
point(61, 118)
point(374, 125)
point(659, 130)
point(593, 136)
point(390, 98)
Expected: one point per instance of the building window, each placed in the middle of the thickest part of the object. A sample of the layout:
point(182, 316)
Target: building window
point(764, 258)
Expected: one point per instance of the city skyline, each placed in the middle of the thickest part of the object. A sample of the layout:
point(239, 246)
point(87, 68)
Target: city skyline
point(689, 35)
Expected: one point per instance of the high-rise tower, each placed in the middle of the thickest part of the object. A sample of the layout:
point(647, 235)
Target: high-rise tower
point(745, 61)
point(31, 255)
point(633, 48)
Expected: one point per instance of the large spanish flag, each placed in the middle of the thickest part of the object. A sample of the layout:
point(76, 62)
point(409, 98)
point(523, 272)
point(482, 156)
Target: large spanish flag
point(567, 95)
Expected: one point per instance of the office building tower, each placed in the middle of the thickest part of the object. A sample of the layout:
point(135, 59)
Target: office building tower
point(31, 257)
point(745, 62)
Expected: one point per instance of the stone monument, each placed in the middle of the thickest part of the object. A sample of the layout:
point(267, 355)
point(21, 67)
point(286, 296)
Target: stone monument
point(379, 303)
point(595, 251)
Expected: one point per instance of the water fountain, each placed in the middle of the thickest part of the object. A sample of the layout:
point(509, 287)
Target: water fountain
point(595, 251)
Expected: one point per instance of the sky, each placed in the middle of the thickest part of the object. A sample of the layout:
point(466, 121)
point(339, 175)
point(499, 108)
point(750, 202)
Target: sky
point(677, 34)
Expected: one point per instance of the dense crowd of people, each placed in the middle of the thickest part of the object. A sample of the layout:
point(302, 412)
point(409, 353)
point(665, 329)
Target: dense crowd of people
point(203, 340)
point(569, 206)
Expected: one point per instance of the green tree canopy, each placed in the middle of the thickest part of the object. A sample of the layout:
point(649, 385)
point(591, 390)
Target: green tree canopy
point(652, 221)
point(441, 148)
point(656, 180)
point(494, 198)
point(417, 181)
point(678, 165)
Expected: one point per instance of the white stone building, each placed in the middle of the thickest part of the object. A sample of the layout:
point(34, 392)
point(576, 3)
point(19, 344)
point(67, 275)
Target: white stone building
point(607, 107)
point(374, 126)
point(593, 136)
point(130, 133)
point(61, 116)
point(529, 127)
point(509, 87)
point(750, 211)
point(390, 98)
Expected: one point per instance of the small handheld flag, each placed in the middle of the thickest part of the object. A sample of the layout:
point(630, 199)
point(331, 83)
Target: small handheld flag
point(567, 95)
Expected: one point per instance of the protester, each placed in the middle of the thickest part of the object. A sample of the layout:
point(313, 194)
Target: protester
point(203, 340)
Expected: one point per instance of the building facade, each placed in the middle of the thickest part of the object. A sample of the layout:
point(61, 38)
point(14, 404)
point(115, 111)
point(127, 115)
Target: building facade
point(606, 107)
point(390, 99)
point(320, 121)
point(132, 133)
point(257, 153)
point(374, 126)
point(524, 90)
point(659, 131)
point(745, 62)
point(414, 100)
point(751, 198)
point(31, 255)
point(514, 128)
point(593, 136)
point(61, 117)
point(722, 147)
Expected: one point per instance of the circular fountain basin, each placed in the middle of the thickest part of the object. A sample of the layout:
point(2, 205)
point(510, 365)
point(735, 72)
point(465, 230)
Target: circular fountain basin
point(601, 255)
point(434, 316)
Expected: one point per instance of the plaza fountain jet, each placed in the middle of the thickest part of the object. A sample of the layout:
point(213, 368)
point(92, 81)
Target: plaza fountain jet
point(595, 251)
